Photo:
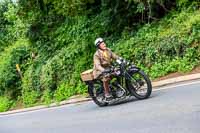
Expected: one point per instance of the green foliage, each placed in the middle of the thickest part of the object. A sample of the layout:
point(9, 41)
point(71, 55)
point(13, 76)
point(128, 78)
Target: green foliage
point(68, 7)
point(81, 88)
point(16, 28)
point(5, 104)
point(184, 4)
point(170, 46)
point(9, 78)
point(159, 36)
point(31, 79)
point(47, 97)
point(3, 24)
point(11, 27)
point(31, 87)
point(30, 97)
point(64, 91)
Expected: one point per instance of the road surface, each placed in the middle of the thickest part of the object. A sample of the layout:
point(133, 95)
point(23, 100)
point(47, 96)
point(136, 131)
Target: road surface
point(172, 110)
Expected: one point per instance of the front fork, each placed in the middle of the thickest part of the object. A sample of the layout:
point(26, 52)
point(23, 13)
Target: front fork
point(130, 80)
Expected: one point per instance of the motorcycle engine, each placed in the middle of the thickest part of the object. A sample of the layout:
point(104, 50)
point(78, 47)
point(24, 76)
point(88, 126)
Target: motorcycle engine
point(119, 91)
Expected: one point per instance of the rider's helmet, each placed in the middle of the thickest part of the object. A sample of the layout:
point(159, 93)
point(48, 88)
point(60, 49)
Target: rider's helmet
point(98, 41)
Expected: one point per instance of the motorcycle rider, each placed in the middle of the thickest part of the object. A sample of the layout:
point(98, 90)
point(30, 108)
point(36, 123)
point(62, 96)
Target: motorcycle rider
point(102, 62)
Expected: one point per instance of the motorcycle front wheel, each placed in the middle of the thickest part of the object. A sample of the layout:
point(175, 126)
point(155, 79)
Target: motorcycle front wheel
point(140, 85)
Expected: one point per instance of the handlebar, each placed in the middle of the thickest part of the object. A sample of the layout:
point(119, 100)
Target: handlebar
point(116, 69)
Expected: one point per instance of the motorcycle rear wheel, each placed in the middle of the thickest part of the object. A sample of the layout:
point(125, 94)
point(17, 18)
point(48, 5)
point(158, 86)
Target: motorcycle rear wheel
point(96, 92)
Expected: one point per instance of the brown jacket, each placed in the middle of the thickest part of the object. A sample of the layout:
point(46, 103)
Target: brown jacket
point(102, 60)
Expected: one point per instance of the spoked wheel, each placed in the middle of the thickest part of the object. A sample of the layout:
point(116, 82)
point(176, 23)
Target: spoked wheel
point(96, 91)
point(140, 85)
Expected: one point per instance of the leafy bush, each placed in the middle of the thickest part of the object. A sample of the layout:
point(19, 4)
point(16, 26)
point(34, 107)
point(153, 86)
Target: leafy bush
point(47, 97)
point(170, 46)
point(31, 85)
point(64, 91)
point(5, 104)
point(11, 27)
point(10, 80)
point(30, 97)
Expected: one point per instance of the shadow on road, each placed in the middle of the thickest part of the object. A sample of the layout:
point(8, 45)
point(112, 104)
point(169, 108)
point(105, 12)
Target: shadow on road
point(133, 99)
point(126, 101)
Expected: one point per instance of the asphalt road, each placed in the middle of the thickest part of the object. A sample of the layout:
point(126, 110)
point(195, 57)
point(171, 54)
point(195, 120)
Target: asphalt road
point(173, 110)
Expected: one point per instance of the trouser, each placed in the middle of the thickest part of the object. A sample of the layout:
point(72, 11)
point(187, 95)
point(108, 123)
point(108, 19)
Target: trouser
point(106, 80)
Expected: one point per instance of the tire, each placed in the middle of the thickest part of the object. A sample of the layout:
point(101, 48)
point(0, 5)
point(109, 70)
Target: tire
point(98, 88)
point(133, 89)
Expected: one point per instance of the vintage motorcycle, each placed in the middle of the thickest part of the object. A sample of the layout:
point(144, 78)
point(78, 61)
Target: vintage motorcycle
point(127, 80)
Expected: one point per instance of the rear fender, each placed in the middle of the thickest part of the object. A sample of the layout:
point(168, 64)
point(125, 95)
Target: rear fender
point(90, 85)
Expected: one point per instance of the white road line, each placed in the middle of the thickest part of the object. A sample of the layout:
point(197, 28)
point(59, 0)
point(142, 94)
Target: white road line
point(174, 86)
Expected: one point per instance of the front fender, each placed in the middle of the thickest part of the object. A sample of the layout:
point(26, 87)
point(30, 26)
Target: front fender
point(133, 69)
